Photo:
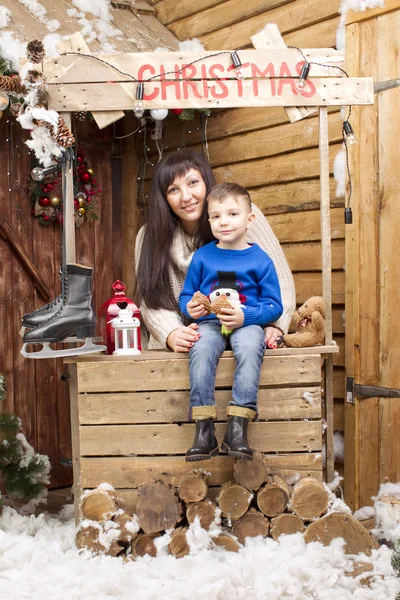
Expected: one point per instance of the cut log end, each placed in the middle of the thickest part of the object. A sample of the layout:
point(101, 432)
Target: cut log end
point(227, 542)
point(252, 524)
point(335, 525)
point(309, 498)
point(99, 505)
point(234, 500)
point(193, 486)
point(286, 524)
point(251, 474)
point(144, 544)
point(273, 497)
point(178, 545)
point(204, 510)
point(157, 507)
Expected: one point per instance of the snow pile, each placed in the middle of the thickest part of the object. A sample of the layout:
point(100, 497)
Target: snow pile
point(388, 513)
point(39, 560)
point(356, 5)
point(366, 512)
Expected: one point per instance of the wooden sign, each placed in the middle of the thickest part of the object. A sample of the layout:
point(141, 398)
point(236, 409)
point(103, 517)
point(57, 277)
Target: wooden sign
point(191, 80)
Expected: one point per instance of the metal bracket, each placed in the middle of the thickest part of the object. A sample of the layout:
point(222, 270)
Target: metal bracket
point(367, 391)
point(382, 86)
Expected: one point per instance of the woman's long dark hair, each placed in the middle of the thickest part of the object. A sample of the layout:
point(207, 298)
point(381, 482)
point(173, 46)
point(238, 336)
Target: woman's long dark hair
point(153, 282)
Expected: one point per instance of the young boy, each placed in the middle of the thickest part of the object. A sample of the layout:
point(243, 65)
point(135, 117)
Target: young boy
point(246, 276)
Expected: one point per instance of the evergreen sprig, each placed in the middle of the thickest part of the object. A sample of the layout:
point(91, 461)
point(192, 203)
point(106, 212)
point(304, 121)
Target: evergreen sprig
point(395, 560)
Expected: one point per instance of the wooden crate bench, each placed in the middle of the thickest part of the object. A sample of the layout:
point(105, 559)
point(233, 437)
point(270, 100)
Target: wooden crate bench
point(130, 418)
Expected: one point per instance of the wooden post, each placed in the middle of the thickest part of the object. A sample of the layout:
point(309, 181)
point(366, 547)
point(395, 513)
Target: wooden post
point(326, 284)
point(76, 447)
point(68, 193)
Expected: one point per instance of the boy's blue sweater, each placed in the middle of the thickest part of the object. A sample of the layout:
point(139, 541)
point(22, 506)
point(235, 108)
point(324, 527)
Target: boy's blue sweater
point(250, 273)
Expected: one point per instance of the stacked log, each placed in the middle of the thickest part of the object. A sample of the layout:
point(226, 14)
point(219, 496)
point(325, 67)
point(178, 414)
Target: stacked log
point(256, 503)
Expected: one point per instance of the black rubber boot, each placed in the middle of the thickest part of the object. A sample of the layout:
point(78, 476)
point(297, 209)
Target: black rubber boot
point(75, 315)
point(235, 440)
point(205, 443)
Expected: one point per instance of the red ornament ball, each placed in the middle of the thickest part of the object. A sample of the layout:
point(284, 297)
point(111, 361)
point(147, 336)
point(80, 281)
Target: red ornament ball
point(86, 177)
point(45, 217)
point(80, 158)
point(177, 111)
point(76, 203)
point(44, 201)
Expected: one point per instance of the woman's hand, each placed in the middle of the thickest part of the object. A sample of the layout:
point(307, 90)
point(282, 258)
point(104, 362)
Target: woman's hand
point(183, 338)
point(272, 334)
point(195, 309)
point(232, 318)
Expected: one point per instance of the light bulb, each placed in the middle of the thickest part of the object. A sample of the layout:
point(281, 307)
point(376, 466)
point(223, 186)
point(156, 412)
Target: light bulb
point(240, 74)
point(159, 114)
point(349, 133)
point(138, 112)
point(38, 174)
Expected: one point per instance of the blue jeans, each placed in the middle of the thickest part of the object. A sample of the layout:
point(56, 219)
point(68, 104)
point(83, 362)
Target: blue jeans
point(247, 343)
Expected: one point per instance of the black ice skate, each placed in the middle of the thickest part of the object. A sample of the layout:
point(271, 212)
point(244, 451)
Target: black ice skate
point(75, 317)
point(44, 313)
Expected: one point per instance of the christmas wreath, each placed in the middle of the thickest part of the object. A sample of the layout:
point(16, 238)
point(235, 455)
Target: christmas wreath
point(46, 194)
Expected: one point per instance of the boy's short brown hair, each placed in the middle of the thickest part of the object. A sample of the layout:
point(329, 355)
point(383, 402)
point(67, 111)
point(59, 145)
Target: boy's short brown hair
point(220, 193)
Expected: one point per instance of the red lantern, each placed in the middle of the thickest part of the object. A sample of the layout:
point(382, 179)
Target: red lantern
point(44, 201)
point(110, 309)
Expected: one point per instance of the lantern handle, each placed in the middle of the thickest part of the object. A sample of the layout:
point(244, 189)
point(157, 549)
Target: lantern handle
point(119, 287)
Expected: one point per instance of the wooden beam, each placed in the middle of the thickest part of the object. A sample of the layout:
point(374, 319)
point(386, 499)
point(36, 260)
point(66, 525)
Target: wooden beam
point(270, 38)
point(371, 13)
point(162, 66)
point(69, 209)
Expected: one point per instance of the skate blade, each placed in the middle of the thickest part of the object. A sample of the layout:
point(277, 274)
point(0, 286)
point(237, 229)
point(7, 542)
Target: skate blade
point(46, 352)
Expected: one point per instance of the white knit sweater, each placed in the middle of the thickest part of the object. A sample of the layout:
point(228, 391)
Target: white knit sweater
point(161, 322)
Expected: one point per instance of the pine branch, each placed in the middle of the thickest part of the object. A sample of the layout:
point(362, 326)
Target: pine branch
point(9, 425)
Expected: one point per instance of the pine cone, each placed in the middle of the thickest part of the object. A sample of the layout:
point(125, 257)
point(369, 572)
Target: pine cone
point(15, 108)
point(80, 115)
point(203, 300)
point(63, 137)
point(35, 51)
point(221, 302)
point(12, 84)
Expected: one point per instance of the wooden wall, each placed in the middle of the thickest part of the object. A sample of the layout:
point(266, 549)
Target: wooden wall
point(259, 148)
point(373, 273)
point(35, 391)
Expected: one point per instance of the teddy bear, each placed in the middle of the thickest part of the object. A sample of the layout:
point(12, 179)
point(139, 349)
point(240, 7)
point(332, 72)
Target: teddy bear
point(310, 324)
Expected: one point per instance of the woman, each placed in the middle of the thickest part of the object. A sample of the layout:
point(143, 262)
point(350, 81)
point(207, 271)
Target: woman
point(177, 225)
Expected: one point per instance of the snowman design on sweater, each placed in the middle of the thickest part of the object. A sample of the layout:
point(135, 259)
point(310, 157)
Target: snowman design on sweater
point(246, 277)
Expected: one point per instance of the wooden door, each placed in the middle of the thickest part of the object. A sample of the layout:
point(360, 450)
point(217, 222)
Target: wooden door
point(372, 423)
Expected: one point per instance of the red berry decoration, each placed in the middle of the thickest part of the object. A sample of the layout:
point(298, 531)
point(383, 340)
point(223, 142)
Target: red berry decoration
point(177, 111)
point(79, 158)
point(45, 217)
point(44, 201)
point(86, 177)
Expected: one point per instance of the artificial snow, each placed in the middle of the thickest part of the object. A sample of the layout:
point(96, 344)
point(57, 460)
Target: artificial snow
point(338, 446)
point(5, 15)
point(339, 166)
point(356, 5)
point(387, 514)
point(366, 512)
point(38, 559)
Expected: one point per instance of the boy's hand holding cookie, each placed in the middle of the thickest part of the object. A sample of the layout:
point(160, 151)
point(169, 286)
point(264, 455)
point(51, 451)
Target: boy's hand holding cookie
point(198, 306)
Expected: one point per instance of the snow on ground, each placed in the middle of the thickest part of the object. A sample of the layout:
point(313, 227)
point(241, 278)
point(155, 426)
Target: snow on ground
point(39, 561)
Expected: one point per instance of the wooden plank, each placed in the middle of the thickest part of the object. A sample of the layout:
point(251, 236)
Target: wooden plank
point(174, 374)
point(207, 94)
point(389, 213)
point(76, 444)
point(270, 38)
point(169, 407)
point(132, 215)
point(305, 226)
point(338, 383)
point(370, 438)
point(307, 256)
point(310, 284)
point(293, 16)
point(108, 440)
point(269, 142)
point(320, 35)
point(338, 415)
point(328, 434)
point(389, 426)
point(283, 168)
point(76, 43)
point(351, 468)
point(294, 196)
point(131, 472)
point(169, 11)
point(370, 13)
point(338, 317)
point(69, 209)
point(160, 67)
point(325, 215)
point(220, 16)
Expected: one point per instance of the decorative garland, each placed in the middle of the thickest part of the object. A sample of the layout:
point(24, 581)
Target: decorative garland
point(46, 195)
